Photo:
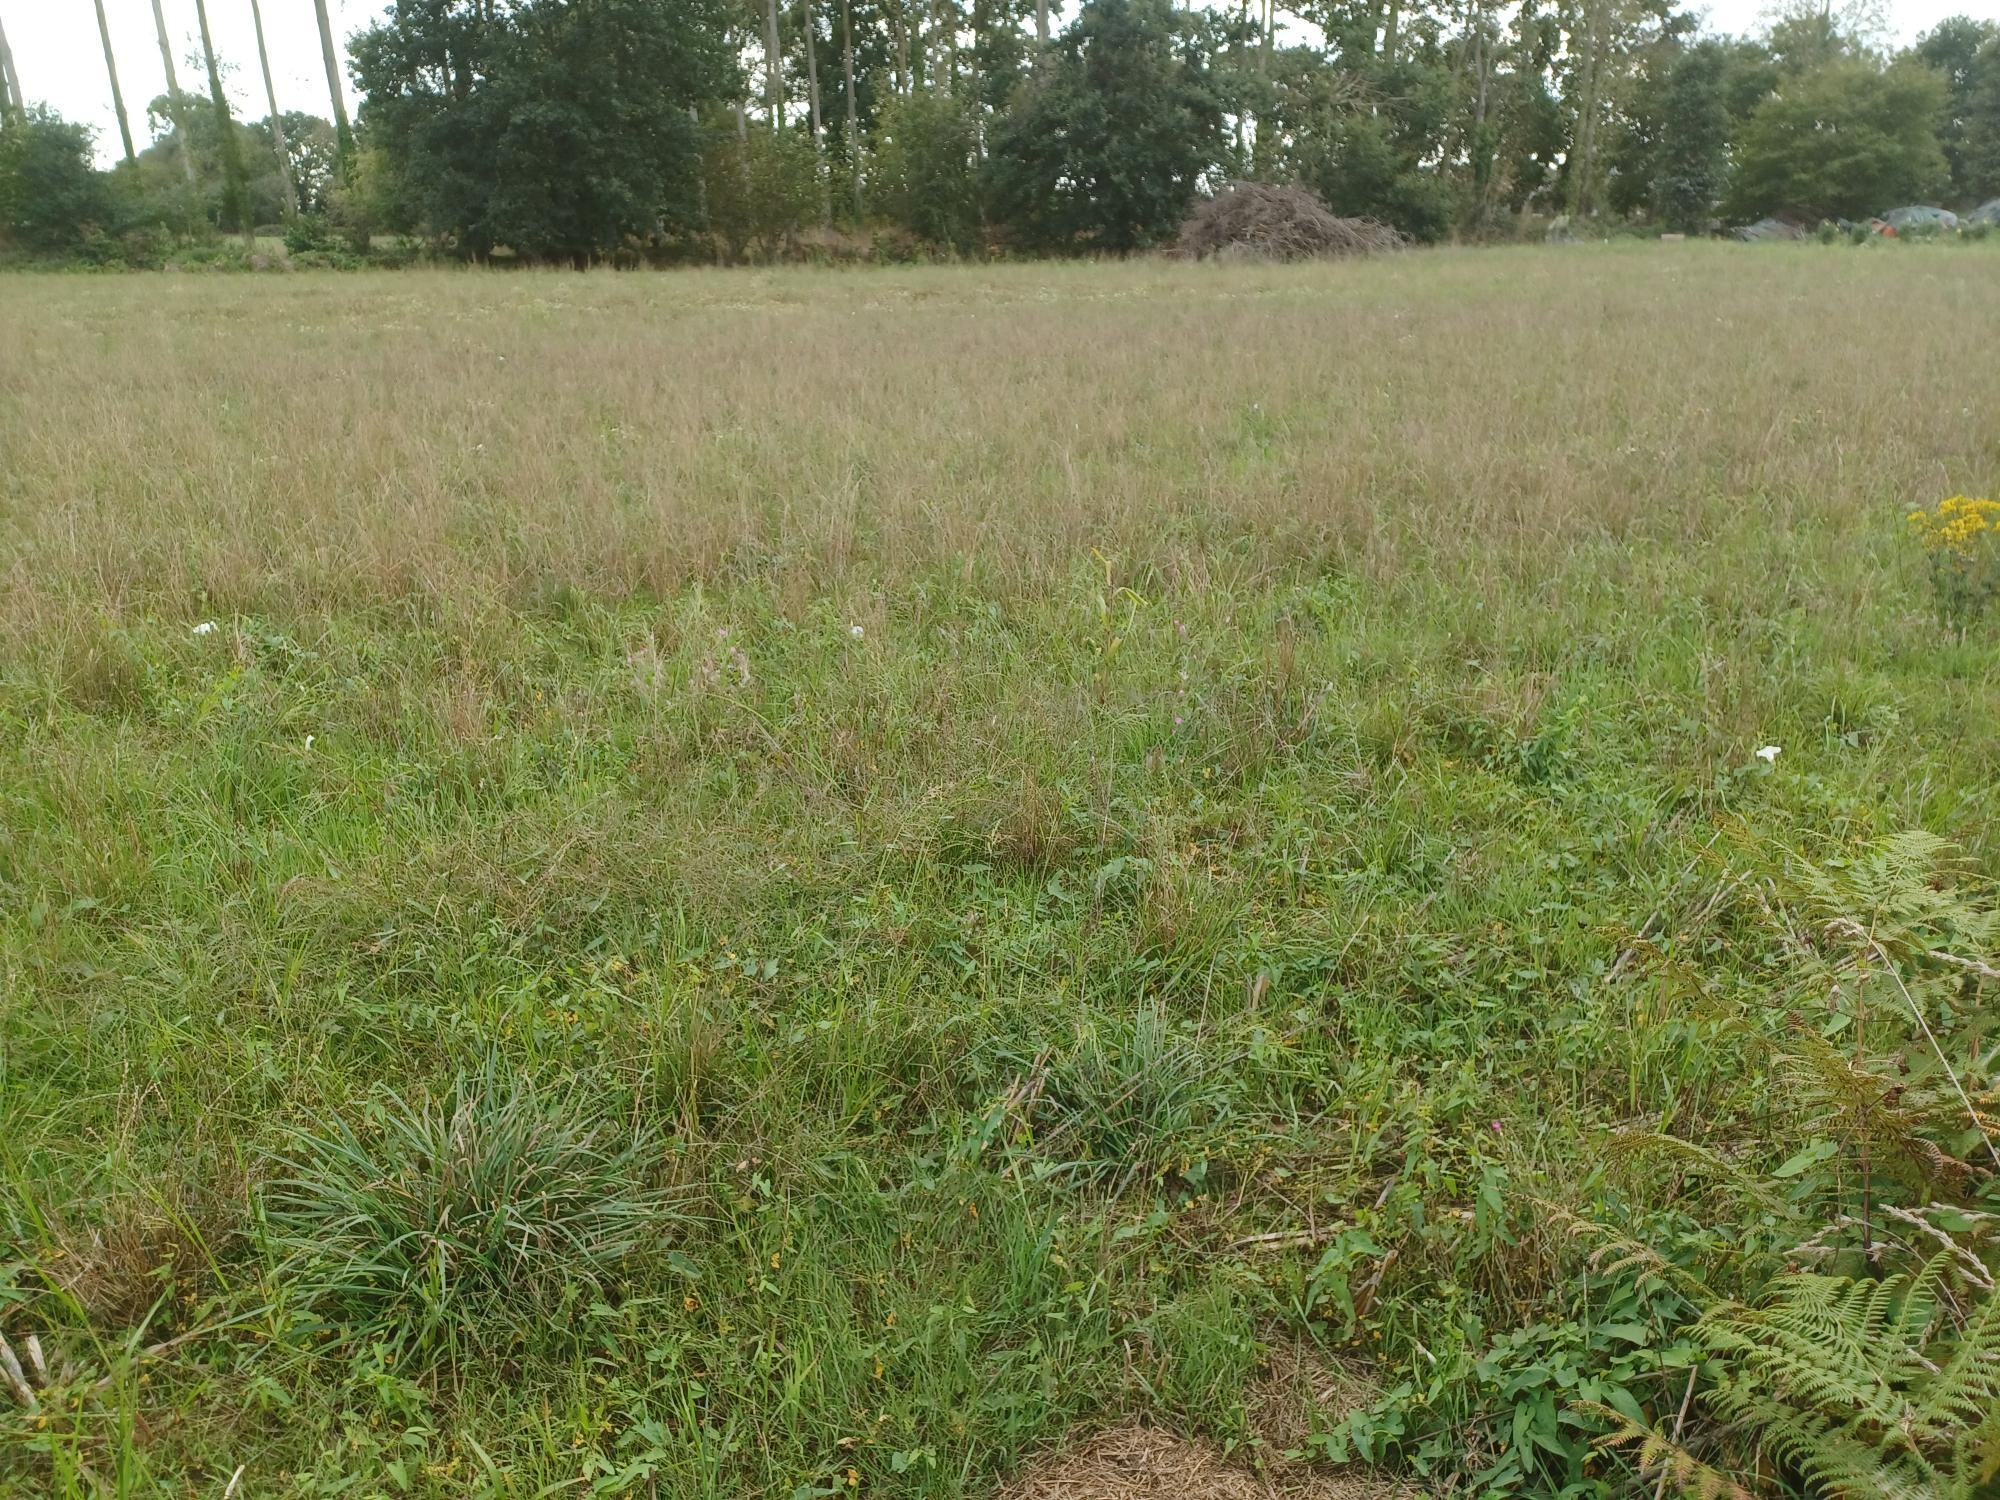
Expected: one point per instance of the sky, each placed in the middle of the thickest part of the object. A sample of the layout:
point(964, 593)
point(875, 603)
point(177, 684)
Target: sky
point(60, 60)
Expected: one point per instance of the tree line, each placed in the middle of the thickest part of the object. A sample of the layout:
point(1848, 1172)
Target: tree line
point(584, 130)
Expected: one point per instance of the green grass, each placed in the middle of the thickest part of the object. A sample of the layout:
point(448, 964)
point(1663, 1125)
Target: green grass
point(1018, 840)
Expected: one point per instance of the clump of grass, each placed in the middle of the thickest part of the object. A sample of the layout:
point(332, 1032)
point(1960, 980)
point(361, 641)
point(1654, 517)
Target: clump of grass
point(1137, 1099)
point(492, 1209)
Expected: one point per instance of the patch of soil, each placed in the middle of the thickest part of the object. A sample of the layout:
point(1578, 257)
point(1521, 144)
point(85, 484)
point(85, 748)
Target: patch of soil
point(1138, 1462)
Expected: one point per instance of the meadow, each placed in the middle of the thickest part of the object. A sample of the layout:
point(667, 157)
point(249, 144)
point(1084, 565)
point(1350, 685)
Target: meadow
point(809, 883)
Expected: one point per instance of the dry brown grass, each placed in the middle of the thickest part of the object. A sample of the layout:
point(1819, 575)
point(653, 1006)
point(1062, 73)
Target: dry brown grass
point(280, 445)
point(1138, 1462)
point(1299, 1392)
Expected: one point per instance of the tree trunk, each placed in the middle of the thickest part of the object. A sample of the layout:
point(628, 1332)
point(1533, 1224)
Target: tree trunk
point(853, 115)
point(11, 101)
point(899, 28)
point(813, 115)
point(343, 133)
point(1236, 50)
point(292, 204)
point(812, 70)
point(1041, 20)
point(1582, 193)
point(700, 171)
point(173, 93)
point(234, 204)
point(774, 89)
point(1389, 32)
point(117, 94)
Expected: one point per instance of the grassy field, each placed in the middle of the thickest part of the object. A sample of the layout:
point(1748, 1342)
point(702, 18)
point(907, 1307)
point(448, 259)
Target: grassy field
point(729, 884)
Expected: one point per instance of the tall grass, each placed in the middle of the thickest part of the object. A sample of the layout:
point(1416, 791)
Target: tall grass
point(1056, 841)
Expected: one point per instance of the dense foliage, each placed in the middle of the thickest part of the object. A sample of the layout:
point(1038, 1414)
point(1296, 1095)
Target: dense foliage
point(582, 130)
point(49, 193)
point(560, 128)
point(1112, 136)
point(1842, 141)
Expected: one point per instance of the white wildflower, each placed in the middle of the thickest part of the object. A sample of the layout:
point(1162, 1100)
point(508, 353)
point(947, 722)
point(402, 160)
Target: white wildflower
point(206, 627)
point(855, 631)
point(1769, 753)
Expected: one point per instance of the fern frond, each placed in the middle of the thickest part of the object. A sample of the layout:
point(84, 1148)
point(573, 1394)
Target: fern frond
point(1635, 1144)
point(1848, 1384)
point(1966, 1387)
point(1659, 1454)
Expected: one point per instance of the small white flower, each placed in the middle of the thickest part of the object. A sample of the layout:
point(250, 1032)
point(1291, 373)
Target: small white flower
point(855, 631)
point(1769, 753)
point(206, 627)
point(309, 740)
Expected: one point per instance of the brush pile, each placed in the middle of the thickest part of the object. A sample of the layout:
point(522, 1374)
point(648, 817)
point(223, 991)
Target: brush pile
point(1262, 221)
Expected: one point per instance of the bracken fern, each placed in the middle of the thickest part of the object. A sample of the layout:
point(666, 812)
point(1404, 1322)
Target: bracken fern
point(1859, 1388)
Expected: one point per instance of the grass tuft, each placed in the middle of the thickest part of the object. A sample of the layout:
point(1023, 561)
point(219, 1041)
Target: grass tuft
point(484, 1218)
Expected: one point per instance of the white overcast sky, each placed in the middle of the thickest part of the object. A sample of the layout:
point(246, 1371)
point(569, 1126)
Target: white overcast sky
point(60, 61)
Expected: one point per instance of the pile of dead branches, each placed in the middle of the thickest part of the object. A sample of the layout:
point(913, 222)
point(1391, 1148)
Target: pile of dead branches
point(1260, 221)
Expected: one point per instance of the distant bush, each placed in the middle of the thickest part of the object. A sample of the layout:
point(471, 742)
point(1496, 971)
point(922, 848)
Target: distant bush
point(308, 232)
point(51, 196)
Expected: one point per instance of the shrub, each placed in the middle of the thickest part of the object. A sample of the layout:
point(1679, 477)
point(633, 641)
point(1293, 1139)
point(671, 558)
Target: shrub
point(440, 1224)
point(51, 197)
point(925, 179)
point(306, 233)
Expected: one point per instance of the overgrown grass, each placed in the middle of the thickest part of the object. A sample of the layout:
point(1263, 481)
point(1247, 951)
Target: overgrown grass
point(1007, 845)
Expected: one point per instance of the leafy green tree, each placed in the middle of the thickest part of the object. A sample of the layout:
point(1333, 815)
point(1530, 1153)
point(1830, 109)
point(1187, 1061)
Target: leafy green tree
point(365, 197)
point(761, 186)
point(189, 131)
point(312, 150)
point(1750, 75)
point(1607, 45)
point(1963, 52)
point(1515, 158)
point(1843, 141)
point(1361, 169)
point(558, 128)
point(51, 196)
point(1981, 142)
point(926, 173)
point(1806, 35)
point(1363, 126)
point(1691, 159)
point(1110, 138)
